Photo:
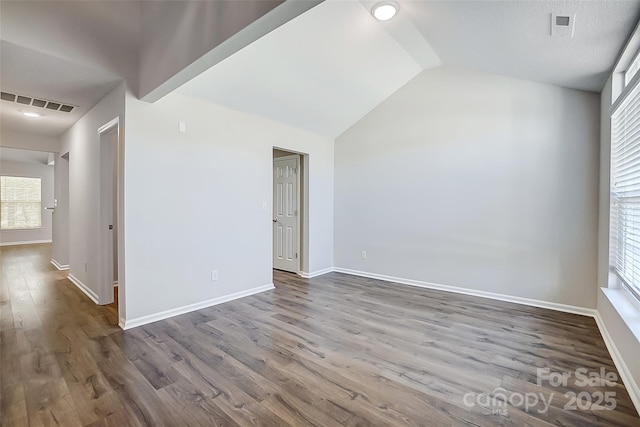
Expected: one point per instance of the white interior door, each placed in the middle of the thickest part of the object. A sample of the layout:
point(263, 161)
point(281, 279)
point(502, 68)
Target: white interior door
point(285, 214)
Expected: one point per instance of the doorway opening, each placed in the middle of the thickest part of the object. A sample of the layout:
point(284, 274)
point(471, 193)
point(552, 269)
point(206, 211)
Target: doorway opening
point(109, 241)
point(289, 201)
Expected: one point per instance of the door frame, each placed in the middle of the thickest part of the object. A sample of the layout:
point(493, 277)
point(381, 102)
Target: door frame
point(302, 220)
point(105, 249)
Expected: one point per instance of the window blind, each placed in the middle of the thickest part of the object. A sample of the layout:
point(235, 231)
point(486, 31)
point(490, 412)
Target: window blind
point(625, 192)
point(20, 203)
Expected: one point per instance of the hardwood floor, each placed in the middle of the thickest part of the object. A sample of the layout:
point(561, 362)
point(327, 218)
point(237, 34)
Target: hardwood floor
point(333, 350)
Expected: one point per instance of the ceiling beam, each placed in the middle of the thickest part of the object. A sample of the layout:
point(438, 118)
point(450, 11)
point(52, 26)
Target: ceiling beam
point(155, 82)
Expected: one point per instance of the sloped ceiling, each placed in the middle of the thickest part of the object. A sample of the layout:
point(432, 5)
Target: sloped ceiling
point(513, 38)
point(322, 71)
point(326, 69)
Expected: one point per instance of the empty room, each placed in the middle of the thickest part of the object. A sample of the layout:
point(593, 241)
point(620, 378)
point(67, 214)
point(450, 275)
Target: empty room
point(319, 213)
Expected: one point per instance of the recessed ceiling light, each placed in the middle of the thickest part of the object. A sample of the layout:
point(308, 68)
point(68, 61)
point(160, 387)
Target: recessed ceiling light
point(384, 11)
point(31, 114)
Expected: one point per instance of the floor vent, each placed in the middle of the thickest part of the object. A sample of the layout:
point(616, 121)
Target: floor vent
point(37, 102)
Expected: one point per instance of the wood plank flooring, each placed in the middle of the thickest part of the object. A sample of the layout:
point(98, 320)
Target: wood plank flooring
point(333, 350)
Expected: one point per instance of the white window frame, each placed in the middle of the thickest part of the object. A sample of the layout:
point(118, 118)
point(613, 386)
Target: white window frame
point(40, 226)
point(630, 91)
point(632, 69)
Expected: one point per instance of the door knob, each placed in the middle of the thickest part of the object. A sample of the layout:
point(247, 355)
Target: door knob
point(275, 220)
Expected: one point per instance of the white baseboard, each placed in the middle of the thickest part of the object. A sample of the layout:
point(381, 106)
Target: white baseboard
point(59, 266)
point(26, 242)
point(88, 292)
point(623, 369)
point(143, 320)
point(491, 295)
point(315, 273)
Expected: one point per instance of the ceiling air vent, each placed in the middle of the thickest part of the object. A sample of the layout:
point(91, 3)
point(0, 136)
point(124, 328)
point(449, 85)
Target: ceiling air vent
point(562, 25)
point(7, 96)
point(37, 102)
point(24, 100)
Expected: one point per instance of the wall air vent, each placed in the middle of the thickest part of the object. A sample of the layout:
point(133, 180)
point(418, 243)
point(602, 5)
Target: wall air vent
point(37, 102)
point(562, 25)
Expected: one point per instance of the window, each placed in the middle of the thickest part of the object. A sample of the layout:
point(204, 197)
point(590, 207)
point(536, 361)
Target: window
point(20, 203)
point(625, 192)
point(632, 69)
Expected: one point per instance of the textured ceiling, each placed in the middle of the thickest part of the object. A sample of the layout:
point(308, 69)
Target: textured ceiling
point(27, 72)
point(514, 37)
point(322, 71)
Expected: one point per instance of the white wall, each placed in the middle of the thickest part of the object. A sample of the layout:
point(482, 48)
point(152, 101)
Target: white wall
point(193, 201)
point(32, 170)
point(476, 181)
point(82, 142)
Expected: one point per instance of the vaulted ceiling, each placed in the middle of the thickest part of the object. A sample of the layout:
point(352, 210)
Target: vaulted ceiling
point(329, 67)
point(322, 70)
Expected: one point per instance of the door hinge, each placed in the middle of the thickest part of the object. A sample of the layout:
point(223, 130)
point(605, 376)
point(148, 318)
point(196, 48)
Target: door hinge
point(296, 254)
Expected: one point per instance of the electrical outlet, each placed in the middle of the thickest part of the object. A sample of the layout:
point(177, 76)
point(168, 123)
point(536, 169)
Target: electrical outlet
point(364, 255)
point(214, 275)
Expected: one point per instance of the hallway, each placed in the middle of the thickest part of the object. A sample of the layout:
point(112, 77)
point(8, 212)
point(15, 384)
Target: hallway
point(47, 327)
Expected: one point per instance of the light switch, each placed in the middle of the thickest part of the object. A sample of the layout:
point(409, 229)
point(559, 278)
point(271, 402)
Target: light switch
point(264, 206)
point(182, 127)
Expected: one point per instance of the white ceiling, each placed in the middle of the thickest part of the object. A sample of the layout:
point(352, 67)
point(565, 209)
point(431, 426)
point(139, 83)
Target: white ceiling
point(513, 37)
point(69, 51)
point(25, 156)
point(27, 72)
point(99, 34)
point(326, 69)
point(322, 71)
